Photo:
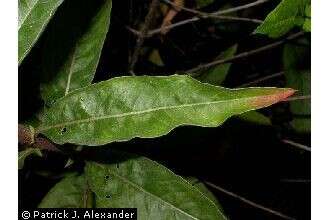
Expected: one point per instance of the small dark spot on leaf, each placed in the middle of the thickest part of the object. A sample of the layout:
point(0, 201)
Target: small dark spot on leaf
point(63, 130)
point(108, 196)
point(117, 165)
point(106, 177)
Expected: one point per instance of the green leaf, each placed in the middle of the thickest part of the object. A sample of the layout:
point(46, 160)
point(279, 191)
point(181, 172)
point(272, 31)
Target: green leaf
point(135, 182)
point(307, 25)
point(155, 58)
point(73, 46)
point(255, 117)
point(216, 75)
point(33, 17)
point(288, 14)
point(147, 106)
point(155, 191)
point(22, 155)
point(71, 192)
point(298, 76)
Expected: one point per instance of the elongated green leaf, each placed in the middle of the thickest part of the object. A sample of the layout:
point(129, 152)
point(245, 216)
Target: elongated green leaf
point(70, 192)
point(288, 14)
point(298, 76)
point(22, 155)
point(136, 182)
point(73, 47)
point(216, 75)
point(33, 16)
point(146, 106)
point(155, 191)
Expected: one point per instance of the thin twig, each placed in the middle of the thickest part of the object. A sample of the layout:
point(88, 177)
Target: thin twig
point(239, 8)
point(295, 98)
point(295, 181)
point(211, 15)
point(262, 79)
point(141, 38)
point(196, 18)
point(158, 30)
point(244, 54)
point(300, 146)
point(180, 23)
point(258, 206)
point(232, 18)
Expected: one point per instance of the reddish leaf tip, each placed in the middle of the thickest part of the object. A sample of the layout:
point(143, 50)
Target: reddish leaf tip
point(277, 96)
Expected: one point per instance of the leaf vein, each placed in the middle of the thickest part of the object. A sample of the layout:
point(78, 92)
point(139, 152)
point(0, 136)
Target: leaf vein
point(92, 119)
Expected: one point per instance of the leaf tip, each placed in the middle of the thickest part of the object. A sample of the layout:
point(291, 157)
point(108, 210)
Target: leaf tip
point(277, 96)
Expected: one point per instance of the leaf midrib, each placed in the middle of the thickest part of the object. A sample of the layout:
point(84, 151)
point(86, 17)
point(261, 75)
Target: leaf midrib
point(73, 58)
point(92, 119)
point(28, 14)
point(127, 181)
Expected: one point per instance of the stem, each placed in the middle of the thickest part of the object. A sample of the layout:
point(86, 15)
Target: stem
point(27, 137)
point(141, 38)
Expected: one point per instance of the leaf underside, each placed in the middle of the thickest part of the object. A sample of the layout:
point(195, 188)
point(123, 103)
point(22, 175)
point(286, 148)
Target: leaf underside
point(146, 106)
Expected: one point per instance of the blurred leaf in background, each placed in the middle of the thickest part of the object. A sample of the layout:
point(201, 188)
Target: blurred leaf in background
point(288, 14)
point(217, 74)
point(22, 155)
point(298, 76)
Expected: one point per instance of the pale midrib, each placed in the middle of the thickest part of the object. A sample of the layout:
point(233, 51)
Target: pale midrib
point(27, 14)
point(150, 194)
point(67, 88)
point(143, 112)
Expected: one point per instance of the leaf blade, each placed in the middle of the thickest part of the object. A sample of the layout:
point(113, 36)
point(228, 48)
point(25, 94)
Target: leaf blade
point(70, 192)
point(34, 15)
point(288, 14)
point(150, 187)
point(74, 54)
point(126, 107)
